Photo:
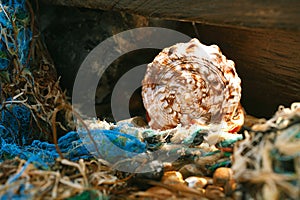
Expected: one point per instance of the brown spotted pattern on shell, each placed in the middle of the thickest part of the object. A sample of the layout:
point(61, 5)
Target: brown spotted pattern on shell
point(192, 83)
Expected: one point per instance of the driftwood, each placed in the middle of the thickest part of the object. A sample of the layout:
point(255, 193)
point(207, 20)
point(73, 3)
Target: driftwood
point(259, 14)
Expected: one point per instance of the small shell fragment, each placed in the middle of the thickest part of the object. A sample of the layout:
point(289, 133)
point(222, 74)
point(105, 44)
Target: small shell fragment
point(172, 177)
point(196, 182)
point(191, 83)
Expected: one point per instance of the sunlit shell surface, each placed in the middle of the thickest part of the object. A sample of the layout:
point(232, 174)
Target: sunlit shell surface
point(192, 83)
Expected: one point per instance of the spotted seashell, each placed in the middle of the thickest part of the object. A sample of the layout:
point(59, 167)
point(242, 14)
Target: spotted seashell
point(192, 83)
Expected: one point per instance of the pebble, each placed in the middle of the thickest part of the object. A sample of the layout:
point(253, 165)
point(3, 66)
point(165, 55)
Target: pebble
point(214, 192)
point(223, 177)
point(190, 170)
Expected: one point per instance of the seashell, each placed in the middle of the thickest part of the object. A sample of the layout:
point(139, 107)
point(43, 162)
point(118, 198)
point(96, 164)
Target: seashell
point(191, 83)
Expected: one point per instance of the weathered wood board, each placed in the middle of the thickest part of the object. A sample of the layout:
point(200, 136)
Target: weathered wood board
point(278, 14)
point(267, 60)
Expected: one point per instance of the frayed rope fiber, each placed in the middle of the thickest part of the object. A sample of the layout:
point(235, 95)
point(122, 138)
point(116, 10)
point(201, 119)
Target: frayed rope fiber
point(18, 136)
point(15, 123)
point(14, 9)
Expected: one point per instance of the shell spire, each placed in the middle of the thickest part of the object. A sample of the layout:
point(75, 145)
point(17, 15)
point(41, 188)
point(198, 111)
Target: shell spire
point(191, 83)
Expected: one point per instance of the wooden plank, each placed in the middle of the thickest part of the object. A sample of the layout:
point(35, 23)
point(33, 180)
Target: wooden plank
point(274, 14)
point(266, 60)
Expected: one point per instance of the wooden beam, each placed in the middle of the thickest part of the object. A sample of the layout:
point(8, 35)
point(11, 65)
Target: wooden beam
point(272, 14)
